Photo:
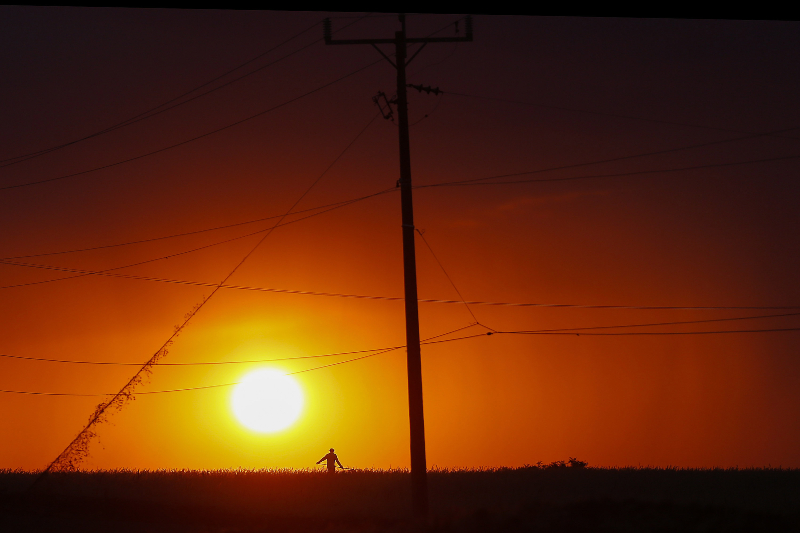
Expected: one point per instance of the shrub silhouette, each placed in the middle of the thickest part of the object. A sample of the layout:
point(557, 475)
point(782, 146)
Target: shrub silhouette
point(572, 463)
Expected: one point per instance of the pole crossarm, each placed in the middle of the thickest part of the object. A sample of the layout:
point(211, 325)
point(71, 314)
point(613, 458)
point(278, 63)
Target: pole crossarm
point(409, 40)
point(358, 41)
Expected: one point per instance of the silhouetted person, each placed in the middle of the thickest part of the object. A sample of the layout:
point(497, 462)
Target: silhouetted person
point(332, 462)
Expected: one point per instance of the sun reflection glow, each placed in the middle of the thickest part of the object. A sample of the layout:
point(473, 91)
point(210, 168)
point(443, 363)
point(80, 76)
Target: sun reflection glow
point(267, 401)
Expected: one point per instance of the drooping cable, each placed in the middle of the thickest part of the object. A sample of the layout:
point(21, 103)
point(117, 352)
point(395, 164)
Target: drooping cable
point(400, 298)
point(488, 333)
point(179, 100)
point(650, 333)
point(187, 141)
point(77, 449)
point(111, 271)
point(479, 181)
point(382, 351)
point(615, 115)
point(195, 232)
point(673, 323)
point(389, 348)
point(452, 283)
point(473, 181)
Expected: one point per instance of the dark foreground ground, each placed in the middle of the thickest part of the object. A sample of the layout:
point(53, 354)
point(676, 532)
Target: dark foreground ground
point(505, 500)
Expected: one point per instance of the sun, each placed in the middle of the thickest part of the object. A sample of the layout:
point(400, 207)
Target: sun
point(267, 401)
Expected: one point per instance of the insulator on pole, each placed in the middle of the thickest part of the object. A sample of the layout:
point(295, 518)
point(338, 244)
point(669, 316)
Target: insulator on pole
point(427, 88)
point(326, 28)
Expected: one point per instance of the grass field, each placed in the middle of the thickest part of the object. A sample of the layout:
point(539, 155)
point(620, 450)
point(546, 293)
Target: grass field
point(547, 499)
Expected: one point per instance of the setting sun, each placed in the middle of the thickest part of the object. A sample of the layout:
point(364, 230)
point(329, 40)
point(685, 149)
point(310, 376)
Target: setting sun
point(267, 401)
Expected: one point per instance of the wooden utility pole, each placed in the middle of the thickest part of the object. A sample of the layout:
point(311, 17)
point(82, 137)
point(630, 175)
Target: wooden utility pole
point(416, 417)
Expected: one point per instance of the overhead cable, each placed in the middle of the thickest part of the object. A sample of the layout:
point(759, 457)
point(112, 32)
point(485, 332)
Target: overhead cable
point(108, 271)
point(478, 181)
point(651, 333)
point(615, 115)
point(204, 363)
point(390, 348)
point(441, 266)
point(206, 230)
point(187, 141)
point(111, 271)
point(488, 333)
point(165, 106)
point(673, 323)
point(473, 181)
point(395, 298)
point(387, 350)
point(623, 158)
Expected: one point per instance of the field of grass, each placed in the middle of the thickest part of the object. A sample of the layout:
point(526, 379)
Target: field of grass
point(549, 498)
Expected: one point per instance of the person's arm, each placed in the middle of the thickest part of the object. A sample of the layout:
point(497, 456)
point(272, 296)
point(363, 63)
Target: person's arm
point(318, 462)
point(339, 463)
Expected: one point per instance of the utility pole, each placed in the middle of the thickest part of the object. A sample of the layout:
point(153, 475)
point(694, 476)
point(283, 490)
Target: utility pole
point(419, 479)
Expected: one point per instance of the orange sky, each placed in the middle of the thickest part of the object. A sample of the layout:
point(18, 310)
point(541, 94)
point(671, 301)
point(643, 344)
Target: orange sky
point(719, 236)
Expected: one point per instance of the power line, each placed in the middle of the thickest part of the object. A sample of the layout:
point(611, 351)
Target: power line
point(353, 73)
point(489, 333)
point(83, 273)
point(473, 181)
point(600, 176)
point(390, 348)
point(469, 309)
point(674, 323)
point(615, 159)
point(161, 107)
point(653, 333)
point(386, 350)
point(427, 341)
point(631, 307)
point(426, 67)
point(112, 363)
point(341, 362)
point(238, 122)
point(400, 298)
point(195, 232)
point(109, 272)
point(615, 115)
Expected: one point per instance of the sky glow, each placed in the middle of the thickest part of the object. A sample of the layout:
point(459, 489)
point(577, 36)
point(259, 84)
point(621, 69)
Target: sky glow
point(602, 161)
